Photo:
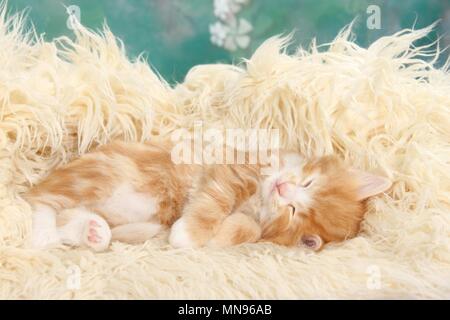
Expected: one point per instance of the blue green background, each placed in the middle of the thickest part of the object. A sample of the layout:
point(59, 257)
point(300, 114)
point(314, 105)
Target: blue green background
point(174, 34)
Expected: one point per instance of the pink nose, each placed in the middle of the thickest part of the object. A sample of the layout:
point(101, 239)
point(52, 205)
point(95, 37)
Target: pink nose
point(282, 188)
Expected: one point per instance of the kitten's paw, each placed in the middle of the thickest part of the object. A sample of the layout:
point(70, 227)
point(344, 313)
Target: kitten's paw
point(96, 234)
point(179, 235)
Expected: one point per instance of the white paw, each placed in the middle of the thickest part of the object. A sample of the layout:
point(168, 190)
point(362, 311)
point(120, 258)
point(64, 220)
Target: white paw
point(179, 236)
point(96, 234)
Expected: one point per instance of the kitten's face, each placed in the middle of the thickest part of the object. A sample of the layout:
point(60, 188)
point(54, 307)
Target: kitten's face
point(313, 202)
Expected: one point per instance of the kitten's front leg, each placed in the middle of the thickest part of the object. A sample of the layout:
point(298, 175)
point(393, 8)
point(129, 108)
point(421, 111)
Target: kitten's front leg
point(220, 190)
point(199, 222)
point(237, 228)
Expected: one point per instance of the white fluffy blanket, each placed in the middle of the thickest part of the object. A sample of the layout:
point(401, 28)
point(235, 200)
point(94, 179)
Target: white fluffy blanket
point(384, 108)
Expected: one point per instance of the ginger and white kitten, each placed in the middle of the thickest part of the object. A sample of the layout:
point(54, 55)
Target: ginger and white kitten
point(131, 191)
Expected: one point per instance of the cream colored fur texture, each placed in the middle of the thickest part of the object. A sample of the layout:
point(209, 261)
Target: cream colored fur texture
point(383, 109)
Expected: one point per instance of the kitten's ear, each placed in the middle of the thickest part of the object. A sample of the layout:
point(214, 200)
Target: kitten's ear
point(370, 184)
point(313, 242)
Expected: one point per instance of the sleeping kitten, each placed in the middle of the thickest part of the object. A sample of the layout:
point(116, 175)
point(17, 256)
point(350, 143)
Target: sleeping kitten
point(131, 191)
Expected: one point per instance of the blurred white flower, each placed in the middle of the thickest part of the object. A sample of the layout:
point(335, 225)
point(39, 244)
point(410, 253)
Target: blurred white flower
point(225, 9)
point(230, 33)
point(237, 36)
point(219, 33)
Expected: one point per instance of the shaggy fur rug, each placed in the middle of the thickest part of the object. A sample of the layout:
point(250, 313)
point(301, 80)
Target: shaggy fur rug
point(384, 108)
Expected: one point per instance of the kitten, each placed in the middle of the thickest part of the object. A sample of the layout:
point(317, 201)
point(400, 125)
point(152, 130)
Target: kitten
point(132, 191)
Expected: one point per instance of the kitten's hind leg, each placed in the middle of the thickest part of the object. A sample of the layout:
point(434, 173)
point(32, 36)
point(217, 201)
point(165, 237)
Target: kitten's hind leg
point(44, 232)
point(136, 232)
point(81, 227)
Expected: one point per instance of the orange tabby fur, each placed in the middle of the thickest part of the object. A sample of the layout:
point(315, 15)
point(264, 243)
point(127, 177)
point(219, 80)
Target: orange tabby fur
point(335, 213)
point(217, 205)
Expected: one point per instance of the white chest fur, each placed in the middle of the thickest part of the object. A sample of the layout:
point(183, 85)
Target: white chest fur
point(125, 205)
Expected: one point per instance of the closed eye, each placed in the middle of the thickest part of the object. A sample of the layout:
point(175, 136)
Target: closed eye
point(307, 184)
point(292, 209)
